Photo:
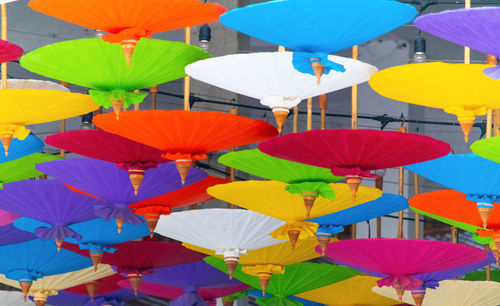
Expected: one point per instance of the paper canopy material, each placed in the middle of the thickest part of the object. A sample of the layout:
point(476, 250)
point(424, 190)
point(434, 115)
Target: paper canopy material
point(23, 168)
point(270, 198)
point(154, 62)
point(20, 148)
point(35, 84)
point(9, 52)
point(320, 26)
point(487, 148)
point(11, 235)
point(14, 298)
point(402, 259)
point(229, 232)
point(454, 293)
point(355, 153)
point(115, 298)
point(459, 89)
point(190, 135)
point(271, 78)
point(356, 290)
point(22, 107)
point(98, 286)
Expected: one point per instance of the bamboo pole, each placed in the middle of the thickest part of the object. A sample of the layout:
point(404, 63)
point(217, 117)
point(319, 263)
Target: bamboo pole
point(4, 37)
point(401, 233)
point(187, 80)
point(379, 183)
point(354, 98)
point(417, 215)
point(323, 105)
point(488, 267)
point(136, 106)
point(231, 172)
point(309, 113)
point(154, 94)
point(295, 119)
point(62, 123)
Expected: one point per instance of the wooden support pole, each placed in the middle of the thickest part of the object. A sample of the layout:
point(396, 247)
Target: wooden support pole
point(4, 37)
point(323, 105)
point(379, 183)
point(401, 233)
point(136, 106)
point(295, 119)
point(231, 172)
point(488, 267)
point(309, 113)
point(187, 80)
point(154, 94)
point(354, 98)
point(417, 215)
point(62, 123)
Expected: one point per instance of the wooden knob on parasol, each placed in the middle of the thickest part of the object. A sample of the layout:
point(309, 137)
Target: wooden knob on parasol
point(136, 177)
point(59, 244)
point(117, 107)
point(6, 139)
point(228, 303)
point(264, 278)
point(231, 264)
point(96, 257)
point(353, 182)
point(128, 47)
point(119, 223)
point(293, 236)
point(183, 166)
point(309, 198)
point(466, 126)
point(485, 212)
point(92, 289)
point(39, 302)
point(135, 281)
point(318, 69)
point(400, 291)
point(151, 221)
point(280, 114)
point(25, 288)
point(418, 296)
point(323, 243)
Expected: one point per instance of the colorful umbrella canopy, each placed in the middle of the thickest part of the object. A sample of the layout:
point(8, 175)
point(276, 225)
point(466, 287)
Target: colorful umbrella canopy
point(51, 285)
point(23, 168)
point(136, 258)
point(98, 286)
point(468, 173)
point(298, 278)
point(487, 148)
point(481, 275)
point(20, 148)
point(28, 261)
point(35, 84)
point(190, 135)
point(308, 181)
point(355, 153)
point(14, 298)
point(11, 235)
point(115, 298)
point(152, 209)
point(459, 89)
point(318, 28)
point(334, 223)
point(455, 293)
point(109, 183)
point(9, 52)
point(270, 198)
point(95, 235)
point(356, 290)
point(474, 28)
point(51, 203)
point(402, 259)
point(113, 82)
point(131, 156)
point(7, 218)
point(271, 78)
point(22, 107)
point(128, 21)
point(452, 207)
point(188, 296)
point(265, 262)
point(228, 232)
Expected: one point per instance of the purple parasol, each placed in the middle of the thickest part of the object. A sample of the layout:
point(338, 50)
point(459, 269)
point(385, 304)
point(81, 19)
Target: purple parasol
point(111, 184)
point(476, 28)
point(49, 202)
point(10, 235)
point(114, 298)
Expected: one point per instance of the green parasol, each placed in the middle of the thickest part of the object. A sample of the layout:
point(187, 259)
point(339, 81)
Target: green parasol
point(488, 148)
point(100, 65)
point(481, 276)
point(23, 168)
point(298, 278)
point(308, 181)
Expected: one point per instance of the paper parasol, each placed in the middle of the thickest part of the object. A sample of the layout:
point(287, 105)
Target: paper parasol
point(14, 298)
point(265, 262)
point(271, 78)
point(452, 207)
point(318, 28)
point(42, 288)
point(28, 261)
point(298, 278)
point(152, 209)
point(115, 298)
point(474, 28)
point(455, 293)
point(113, 82)
point(356, 290)
point(468, 173)
point(7, 218)
point(487, 148)
point(35, 84)
point(402, 259)
point(459, 89)
point(355, 153)
point(131, 156)
point(189, 136)
point(308, 181)
point(334, 223)
point(229, 232)
point(270, 198)
point(111, 184)
point(9, 52)
point(22, 107)
point(136, 258)
point(481, 275)
point(11, 235)
point(23, 168)
point(20, 148)
point(128, 21)
point(50, 202)
point(98, 286)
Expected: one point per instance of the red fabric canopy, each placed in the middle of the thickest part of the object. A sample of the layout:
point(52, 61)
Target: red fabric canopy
point(104, 285)
point(9, 51)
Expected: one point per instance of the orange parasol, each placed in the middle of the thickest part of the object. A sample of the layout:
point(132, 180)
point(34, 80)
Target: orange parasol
point(186, 136)
point(127, 21)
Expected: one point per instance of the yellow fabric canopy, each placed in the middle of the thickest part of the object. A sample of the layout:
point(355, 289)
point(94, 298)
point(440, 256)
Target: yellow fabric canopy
point(272, 259)
point(355, 291)
point(459, 89)
point(270, 198)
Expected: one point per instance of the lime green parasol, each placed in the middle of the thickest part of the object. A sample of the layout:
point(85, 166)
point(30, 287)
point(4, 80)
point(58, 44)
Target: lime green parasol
point(23, 168)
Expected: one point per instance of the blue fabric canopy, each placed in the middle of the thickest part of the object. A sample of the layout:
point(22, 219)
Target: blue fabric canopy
point(332, 224)
point(20, 148)
point(471, 174)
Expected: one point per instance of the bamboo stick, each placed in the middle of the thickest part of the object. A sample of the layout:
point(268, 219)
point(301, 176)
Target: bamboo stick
point(309, 114)
point(488, 267)
point(136, 106)
point(401, 180)
point(295, 119)
point(154, 94)
point(62, 123)
point(187, 80)
point(4, 37)
point(379, 183)
point(231, 172)
point(417, 215)
point(323, 105)
point(354, 98)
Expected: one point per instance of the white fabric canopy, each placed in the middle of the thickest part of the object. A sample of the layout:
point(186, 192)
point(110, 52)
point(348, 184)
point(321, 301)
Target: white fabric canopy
point(14, 298)
point(453, 293)
point(229, 232)
point(35, 84)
